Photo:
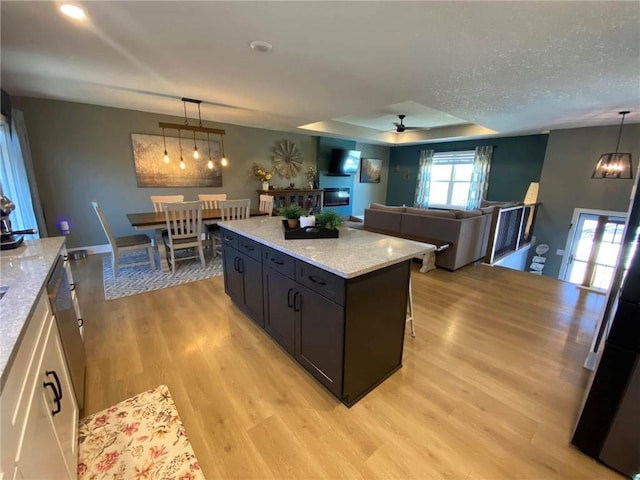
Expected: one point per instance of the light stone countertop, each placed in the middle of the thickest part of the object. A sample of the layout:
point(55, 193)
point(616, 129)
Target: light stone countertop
point(354, 253)
point(25, 271)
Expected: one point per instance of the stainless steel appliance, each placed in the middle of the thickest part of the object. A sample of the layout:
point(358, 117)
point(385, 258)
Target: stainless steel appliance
point(59, 292)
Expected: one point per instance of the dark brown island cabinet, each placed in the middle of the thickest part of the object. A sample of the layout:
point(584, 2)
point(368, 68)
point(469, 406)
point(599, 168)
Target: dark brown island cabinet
point(346, 332)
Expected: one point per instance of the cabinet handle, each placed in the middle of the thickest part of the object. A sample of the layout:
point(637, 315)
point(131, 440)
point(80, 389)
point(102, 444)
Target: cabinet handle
point(248, 247)
point(235, 264)
point(277, 262)
point(72, 286)
point(57, 390)
point(318, 281)
point(240, 265)
point(55, 377)
point(296, 302)
point(55, 398)
point(80, 322)
point(289, 300)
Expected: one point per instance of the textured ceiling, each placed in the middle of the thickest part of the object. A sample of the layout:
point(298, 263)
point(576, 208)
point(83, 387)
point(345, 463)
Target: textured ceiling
point(456, 69)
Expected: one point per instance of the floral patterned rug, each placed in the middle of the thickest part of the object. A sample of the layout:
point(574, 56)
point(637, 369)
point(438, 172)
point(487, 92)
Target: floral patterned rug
point(139, 438)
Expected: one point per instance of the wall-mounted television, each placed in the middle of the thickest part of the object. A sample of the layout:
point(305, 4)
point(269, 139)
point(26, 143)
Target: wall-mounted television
point(344, 162)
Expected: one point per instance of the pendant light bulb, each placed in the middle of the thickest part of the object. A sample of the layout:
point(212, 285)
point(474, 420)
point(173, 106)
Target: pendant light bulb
point(224, 162)
point(182, 165)
point(210, 164)
point(166, 155)
point(196, 155)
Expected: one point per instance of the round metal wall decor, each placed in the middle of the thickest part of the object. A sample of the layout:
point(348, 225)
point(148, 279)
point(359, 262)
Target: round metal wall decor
point(287, 159)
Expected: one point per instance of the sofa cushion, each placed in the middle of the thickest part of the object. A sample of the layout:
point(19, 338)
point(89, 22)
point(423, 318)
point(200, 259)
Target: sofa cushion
point(476, 212)
point(379, 206)
point(431, 213)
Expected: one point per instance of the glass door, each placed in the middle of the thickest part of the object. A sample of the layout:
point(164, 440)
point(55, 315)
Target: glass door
point(593, 246)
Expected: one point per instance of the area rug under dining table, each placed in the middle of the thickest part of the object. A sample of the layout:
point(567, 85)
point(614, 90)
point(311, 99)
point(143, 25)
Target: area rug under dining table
point(141, 279)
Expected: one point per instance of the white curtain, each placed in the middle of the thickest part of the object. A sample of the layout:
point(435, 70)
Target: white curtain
point(479, 176)
point(15, 173)
point(424, 179)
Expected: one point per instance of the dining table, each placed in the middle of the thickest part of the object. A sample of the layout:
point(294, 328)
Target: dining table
point(156, 221)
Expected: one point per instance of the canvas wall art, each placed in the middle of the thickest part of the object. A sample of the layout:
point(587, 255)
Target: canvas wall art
point(152, 171)
point(370, 170)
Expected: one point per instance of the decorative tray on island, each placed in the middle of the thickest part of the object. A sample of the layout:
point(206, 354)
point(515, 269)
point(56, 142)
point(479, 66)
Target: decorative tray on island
point(307, 232)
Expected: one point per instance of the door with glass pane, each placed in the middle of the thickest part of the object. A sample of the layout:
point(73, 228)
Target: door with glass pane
point(592, 248)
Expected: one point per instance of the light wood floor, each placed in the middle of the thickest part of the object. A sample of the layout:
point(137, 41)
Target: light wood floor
point(490, 387)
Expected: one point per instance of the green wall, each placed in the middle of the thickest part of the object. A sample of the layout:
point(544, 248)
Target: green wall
point(516, 162)
point(566, 183)
point(83, 152)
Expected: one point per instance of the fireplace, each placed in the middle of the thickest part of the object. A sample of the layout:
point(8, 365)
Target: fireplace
point(336, 197)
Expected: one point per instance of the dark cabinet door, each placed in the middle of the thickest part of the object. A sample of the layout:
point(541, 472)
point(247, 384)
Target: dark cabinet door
point(243, 282)
point(319, 337)
point(251, 271)
point(233, 282)
point(279, 315)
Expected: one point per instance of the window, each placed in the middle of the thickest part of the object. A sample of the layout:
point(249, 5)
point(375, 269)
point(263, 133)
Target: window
point(451, 178)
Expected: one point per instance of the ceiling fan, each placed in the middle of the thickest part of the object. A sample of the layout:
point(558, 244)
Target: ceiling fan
point(401, 127)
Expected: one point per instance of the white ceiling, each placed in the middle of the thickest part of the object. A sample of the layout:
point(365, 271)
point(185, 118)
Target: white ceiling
point(346, 69)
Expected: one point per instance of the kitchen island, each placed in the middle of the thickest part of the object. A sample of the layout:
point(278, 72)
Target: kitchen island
point(338, 306)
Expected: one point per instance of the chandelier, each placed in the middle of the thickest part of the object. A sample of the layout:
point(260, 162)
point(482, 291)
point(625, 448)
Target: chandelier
point(193, 129)
point(614, 165)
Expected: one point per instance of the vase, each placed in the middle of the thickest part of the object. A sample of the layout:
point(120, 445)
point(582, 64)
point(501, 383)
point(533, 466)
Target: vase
point(292, 222)
point(309, 221)
point(265, 185)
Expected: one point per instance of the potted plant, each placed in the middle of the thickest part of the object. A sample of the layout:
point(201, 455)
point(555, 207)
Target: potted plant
point(328, 219)
point(292, 213)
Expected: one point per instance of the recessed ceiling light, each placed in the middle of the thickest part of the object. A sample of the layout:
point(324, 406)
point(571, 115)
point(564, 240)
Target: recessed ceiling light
point(73, 11)
point(261, 46)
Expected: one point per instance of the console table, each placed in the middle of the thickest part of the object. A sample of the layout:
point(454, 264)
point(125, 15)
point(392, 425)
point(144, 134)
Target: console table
point(288, 196)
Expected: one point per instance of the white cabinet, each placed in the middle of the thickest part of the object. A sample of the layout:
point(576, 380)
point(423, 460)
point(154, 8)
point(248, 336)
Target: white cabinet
point(38, 408)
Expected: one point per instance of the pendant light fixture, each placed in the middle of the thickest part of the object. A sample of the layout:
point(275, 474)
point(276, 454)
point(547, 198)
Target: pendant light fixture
point(182, 165)
point(166, 155)
point(210, 162)
point(614, 165)
point(194, 129)
point(224, 162)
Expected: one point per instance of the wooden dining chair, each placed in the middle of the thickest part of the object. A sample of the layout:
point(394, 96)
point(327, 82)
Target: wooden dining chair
point(159, 200)
point(124, 244)
point(211, 200)
point(184, 230)
point(266, 204)
point(235, 209)
point(230, 210)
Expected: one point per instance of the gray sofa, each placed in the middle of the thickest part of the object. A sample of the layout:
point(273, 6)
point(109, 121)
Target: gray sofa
point(466, 230)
